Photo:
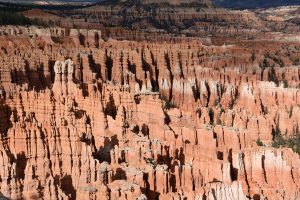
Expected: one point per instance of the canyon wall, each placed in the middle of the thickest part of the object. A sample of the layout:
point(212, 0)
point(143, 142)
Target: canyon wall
point(83, 118)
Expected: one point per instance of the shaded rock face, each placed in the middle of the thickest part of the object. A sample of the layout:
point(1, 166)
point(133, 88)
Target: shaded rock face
point(171, 2)
point(169, 20)
point(255, 4)
point(86, 119)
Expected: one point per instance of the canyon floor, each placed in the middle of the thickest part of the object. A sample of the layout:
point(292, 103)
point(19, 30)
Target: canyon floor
point(153, 99)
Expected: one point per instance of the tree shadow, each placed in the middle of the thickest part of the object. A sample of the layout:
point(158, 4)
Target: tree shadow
point(21, 162)
point(164, 159)
point(180, 155)
point(66, 184)
point(109, 66)
point(233, 171)
point(103, 154)
point(35, 79)
point(5, 118)
point(120, 174)
point(151, 194)
point(111, 108)
point(145, 130)
point(2, 197)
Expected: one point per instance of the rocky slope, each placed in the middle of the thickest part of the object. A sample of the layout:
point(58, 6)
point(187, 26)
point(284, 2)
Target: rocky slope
point(173, 20)
point(83, 118)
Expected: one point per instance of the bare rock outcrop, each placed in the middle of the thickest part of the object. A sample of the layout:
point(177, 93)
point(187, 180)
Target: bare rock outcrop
point(83, 118)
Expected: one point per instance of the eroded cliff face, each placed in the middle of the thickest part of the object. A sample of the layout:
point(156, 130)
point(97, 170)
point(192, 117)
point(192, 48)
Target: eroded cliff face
point(162, 20)
point(86, 119)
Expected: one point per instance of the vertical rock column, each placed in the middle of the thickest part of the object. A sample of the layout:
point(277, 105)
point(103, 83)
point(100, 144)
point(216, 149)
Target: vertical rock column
point(63, 77)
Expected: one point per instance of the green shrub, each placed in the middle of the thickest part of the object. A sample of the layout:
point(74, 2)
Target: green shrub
point(265, 63)
point(168, 105)
point(280, 141)
point(273, 77)
point(294, 143)
point(265, 110)
point(12, 18)
point(285, 83)
point(259, 142)
point(222, 111)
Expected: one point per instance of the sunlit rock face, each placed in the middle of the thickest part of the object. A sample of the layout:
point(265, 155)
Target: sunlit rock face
point(84, 118)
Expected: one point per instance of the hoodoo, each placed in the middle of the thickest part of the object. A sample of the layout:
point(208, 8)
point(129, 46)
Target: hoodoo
point(151, 99)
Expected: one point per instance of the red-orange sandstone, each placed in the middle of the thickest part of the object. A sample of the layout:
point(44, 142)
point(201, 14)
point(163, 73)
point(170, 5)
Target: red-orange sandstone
point(83, 118)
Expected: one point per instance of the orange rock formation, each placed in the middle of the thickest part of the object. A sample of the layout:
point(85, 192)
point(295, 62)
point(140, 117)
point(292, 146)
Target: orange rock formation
point(83, 118)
